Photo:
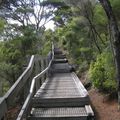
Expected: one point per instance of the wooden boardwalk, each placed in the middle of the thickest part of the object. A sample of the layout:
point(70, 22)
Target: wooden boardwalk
point(50, 91)
point(62, 96)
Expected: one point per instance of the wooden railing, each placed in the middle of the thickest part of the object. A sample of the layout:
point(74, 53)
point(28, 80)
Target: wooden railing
point(25, 85)
point(10, 97)
point(27, 105)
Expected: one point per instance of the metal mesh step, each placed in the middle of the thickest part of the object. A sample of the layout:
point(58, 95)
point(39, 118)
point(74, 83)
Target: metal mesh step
point(60, 61)
point(61, 90)
point(60, 56)
point(61, 66)
point(66, 102)
point(62, 87)
point(58, 52)
point(69, 113)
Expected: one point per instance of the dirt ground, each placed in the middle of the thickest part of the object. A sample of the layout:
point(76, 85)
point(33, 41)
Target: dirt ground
point(104, 109)
point(13, 113)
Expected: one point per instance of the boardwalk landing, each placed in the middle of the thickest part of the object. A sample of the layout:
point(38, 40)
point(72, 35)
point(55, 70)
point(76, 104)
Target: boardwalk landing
point(62, 96)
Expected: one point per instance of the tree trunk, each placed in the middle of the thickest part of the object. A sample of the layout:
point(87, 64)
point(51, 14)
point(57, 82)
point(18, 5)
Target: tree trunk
point(116, 38)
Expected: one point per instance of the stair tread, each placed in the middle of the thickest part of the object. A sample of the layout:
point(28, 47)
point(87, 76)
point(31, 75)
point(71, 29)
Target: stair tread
point(59, 112)
point(61, 90)
point(60, 60)
point(64, 86)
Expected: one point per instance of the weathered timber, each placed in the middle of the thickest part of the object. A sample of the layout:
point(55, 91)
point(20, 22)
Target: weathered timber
point(10, 97)
point(26, 107)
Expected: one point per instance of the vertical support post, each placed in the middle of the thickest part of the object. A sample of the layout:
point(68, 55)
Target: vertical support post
point(45, 65)
point(42, 68)
point(28, 84)
point(26, 90)
point(46, 61)
point(39, 64)
point(1, 88)
point(36, 72)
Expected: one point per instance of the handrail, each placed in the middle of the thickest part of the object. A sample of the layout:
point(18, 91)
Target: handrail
point(30, 95)
point(38, 76)
point(15, 89)
point(15, 85)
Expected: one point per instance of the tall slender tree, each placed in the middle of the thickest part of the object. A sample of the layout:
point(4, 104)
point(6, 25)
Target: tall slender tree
point(116, 38)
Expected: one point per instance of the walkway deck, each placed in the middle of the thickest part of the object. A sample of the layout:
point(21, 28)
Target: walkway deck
point(62, 96)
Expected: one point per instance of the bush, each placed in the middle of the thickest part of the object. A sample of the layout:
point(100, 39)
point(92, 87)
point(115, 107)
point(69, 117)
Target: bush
point(102, 73)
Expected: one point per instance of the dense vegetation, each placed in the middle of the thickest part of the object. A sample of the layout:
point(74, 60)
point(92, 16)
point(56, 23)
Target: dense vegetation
point(86, 35)
point(83, 29)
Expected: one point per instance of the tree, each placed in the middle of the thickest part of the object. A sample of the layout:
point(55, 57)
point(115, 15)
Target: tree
point(116, 38)
point(86, 9)
point(30, 12)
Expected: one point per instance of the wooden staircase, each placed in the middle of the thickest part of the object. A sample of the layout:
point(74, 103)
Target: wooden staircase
point(49, 91)
point(62, 96)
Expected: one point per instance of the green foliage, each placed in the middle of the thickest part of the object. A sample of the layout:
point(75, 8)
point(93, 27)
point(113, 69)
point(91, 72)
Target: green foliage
point(9, 72)
point(82, 27)
point(5, 87)
point(99, 16)
point(55, 3)
point(10, 62)
point(116, 8)
point(24, 10)
point(102, 73)
point(62, 15)
point(46, 48)
point(2, 24)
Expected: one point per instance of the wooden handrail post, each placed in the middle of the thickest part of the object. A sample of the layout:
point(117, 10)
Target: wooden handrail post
point(46, 66)
point(37, 70)
point(42, 68)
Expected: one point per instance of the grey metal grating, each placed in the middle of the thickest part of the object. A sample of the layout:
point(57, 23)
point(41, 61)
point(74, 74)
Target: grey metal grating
point(61, 86)
point(59, 112)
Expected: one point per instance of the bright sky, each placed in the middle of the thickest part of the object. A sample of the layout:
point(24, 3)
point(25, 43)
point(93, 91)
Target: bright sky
point(50, 25)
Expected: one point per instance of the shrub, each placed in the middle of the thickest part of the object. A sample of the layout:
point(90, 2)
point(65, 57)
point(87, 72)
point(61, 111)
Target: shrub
point(102, 73)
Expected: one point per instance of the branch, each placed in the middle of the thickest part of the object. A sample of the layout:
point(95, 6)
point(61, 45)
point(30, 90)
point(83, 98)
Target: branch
point(91, 24)
point(46, 22)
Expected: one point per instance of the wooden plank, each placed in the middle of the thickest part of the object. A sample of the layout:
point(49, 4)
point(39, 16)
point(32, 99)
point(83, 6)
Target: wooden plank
point(79, 85)
point(42, 68)
point(37, 70)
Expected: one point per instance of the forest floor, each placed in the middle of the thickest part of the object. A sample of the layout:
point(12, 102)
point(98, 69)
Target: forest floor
point(13, 113)
point(103, 107)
